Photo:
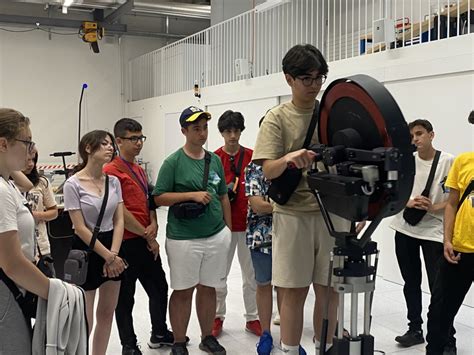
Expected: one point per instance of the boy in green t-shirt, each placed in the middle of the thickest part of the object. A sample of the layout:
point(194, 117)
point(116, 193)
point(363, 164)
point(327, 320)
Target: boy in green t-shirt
point(300, 239)
point(197, 248)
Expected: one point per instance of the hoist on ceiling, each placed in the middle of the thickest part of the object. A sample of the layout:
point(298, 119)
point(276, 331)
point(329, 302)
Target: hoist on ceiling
point(91, 33)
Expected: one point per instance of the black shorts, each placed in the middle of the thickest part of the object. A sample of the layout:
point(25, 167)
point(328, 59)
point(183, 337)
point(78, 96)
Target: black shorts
point(96, 264)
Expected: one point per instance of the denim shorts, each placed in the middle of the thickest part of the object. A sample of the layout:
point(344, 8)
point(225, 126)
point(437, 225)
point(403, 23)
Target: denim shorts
point(262, 264)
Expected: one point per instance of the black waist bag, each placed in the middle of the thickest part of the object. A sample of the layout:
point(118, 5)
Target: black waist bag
point(412, 215)
point(283, 186)
point(191, 209)
point(188, 210)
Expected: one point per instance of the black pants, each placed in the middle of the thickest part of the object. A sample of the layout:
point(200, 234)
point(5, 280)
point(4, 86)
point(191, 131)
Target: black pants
point(408, 255)
point(451, 286)
point(150, 273)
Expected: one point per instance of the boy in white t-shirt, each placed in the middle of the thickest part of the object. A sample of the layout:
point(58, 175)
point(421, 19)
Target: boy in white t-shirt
point(427, 234)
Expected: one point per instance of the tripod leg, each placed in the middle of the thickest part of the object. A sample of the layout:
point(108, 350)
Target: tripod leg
point(325, 325)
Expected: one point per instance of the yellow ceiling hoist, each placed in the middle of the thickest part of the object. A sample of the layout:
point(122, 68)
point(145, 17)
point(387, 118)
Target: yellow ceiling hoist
point(91, 33)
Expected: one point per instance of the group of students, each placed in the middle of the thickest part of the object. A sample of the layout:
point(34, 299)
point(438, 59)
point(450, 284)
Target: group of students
point(286, 246)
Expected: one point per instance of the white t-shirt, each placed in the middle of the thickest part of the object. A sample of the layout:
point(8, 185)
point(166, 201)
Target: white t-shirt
point(431, 225)
point(15, 216)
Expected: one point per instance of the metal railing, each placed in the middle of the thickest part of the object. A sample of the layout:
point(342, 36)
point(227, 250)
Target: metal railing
point(339, 28)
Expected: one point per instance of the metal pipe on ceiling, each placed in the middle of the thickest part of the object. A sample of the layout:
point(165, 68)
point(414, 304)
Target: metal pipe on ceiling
point(150, 7)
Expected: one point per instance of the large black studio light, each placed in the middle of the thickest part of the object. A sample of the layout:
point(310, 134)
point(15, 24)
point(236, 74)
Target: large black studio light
point(366, 149)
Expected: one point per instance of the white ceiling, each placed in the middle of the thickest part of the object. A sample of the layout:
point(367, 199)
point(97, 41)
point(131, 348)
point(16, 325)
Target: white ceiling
point(155, 18)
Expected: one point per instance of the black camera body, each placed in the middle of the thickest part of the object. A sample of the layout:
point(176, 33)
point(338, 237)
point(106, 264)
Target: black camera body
point(232, 191)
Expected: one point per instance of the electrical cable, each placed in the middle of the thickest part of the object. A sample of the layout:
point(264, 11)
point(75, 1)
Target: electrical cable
point(58, 33)
point(41, 29)
point(15, 31)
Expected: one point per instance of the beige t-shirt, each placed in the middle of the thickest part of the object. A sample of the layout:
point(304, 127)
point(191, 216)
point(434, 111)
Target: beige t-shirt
point(283, 131)
point(41, 198)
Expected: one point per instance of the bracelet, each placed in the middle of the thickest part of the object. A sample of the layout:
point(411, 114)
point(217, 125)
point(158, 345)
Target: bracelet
point(114, 252)
point(112, 261)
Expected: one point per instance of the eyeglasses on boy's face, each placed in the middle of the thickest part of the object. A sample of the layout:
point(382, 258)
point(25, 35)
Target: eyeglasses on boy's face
point(30, 145)
point(308, 80)
point(135, 139)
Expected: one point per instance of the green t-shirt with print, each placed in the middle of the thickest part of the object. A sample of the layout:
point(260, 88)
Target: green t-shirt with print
point(180, 173)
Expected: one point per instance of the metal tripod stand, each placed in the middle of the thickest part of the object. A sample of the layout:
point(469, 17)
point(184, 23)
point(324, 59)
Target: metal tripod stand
point(354, 269)
point(353, 265)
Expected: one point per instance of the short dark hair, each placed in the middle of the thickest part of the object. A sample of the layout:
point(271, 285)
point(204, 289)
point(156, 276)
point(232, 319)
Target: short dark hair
point(421, 122)
point(302, 59)
point(470, 119)
point(229, 120)
point(126, 124)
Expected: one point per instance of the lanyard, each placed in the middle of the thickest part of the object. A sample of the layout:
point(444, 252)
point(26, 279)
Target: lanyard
point(141, 179)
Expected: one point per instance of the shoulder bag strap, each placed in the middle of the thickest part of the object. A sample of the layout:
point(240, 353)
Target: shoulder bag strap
point(468, 190)
point(11, 286)
point(241, 160)
point(312, 126)
point(132, 175)
point(434, 165)
point(96, 231)
point(207, 163)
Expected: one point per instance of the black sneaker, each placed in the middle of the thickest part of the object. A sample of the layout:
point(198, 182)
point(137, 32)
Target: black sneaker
point(410, 338)
point(131, 350)
point(179, 349)
point(211, 346)
point(158, 341)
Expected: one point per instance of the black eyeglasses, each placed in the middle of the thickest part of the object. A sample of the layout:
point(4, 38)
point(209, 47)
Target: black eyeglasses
point(135, 139)
point(309, 80)
point(30, 145)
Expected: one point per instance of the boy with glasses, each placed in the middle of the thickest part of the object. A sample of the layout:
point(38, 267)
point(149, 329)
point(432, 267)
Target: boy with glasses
point(234, 159)
point(139, 246)
point(301, 244)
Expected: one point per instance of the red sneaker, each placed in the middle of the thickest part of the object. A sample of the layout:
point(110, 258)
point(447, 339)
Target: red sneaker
point(217, 327)
point(254, 327)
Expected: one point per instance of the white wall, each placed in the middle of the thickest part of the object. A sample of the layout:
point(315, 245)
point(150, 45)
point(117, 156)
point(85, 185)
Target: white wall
point(433, 80)
point(43, 78)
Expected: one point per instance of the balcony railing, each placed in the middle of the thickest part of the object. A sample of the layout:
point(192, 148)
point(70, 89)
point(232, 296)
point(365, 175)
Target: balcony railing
point(339, 28)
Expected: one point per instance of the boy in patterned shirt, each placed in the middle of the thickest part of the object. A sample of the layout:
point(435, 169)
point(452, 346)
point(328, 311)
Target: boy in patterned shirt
point(259, 240)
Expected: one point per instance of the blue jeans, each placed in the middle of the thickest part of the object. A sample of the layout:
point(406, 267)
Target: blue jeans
point(262, 264)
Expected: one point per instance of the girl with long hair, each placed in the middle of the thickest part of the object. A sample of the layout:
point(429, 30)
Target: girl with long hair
point(43, 207)
point(83, 197)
